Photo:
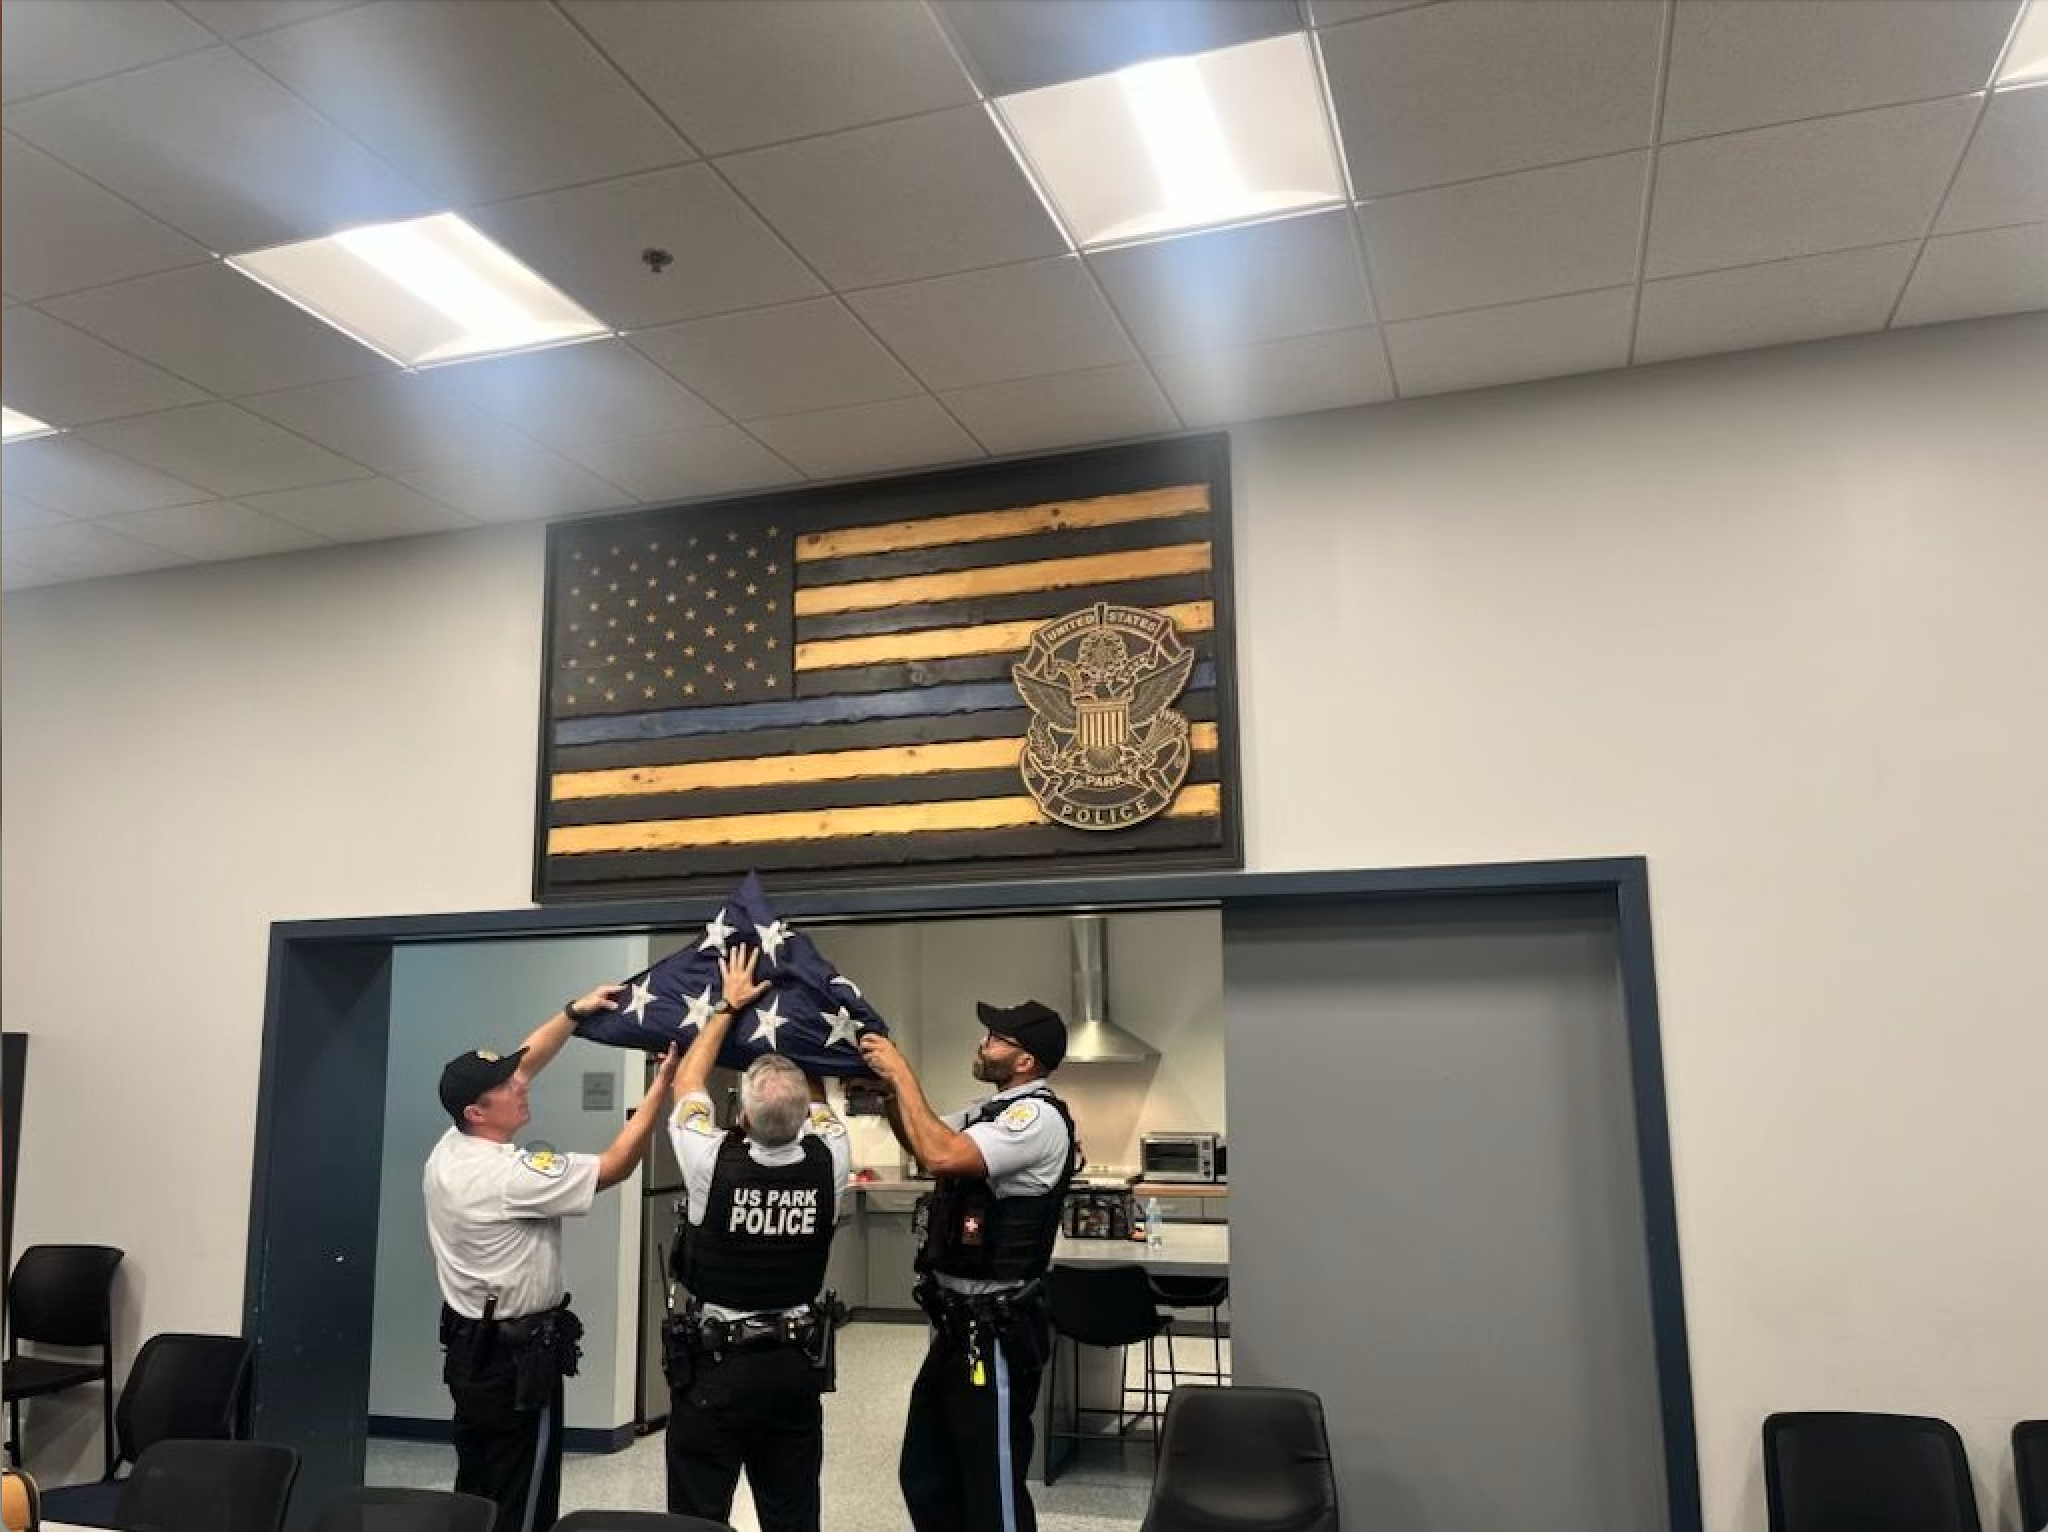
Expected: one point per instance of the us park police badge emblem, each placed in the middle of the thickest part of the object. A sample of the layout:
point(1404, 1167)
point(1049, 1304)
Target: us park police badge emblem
point(1105, 750)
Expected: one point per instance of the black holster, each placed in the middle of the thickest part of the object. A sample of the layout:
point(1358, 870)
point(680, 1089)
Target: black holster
point(679, 1351)
point(548, 1351)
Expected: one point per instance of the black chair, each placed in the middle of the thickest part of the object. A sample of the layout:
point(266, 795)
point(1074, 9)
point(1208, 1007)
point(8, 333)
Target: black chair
point(1256, 1459)
point(60, 1295)
point(636, 1521)
point(1826, 1470)
point(2030, 1473)
point(406, 1510)
point(1111, 1307)
point(1209, 1293)
point(181, 1388)
point(208, 1487)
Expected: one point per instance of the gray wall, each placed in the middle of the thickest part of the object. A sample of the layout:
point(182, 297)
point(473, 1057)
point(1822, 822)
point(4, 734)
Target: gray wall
point(1436, 1213)
point(445, 999)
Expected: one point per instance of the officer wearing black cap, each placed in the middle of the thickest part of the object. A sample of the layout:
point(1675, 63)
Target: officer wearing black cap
point(494, 1219)
point(1002, 1166)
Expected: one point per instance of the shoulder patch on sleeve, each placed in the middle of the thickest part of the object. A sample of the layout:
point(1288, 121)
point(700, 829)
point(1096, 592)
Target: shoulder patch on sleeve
point(696, 1117)
point(1019, 1116)
point(544, 1161)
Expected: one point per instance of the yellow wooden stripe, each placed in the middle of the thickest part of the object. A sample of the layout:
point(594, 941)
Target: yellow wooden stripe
point(1195, 801)
point(796, 770)
point(1005, 579)
point(954, 643)
point(1017, 521)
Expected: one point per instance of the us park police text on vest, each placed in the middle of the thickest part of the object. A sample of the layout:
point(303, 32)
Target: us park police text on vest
point(755, 1211)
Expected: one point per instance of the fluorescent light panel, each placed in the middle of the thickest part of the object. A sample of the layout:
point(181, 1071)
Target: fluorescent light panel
point(423, 292)
point(17, 427)
point(2026, 59)
point(1180, 144)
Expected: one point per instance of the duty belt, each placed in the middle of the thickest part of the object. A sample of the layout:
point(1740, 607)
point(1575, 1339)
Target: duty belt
point(757, 1332)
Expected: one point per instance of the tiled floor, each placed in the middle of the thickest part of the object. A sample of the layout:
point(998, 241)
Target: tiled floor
point(1105, 1492)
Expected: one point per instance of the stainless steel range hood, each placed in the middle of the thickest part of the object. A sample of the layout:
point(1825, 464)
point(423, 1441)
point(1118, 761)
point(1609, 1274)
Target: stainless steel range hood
point(1092, 1038)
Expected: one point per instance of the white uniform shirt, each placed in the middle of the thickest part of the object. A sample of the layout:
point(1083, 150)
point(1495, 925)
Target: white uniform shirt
point(494, 1218)
point(1025, 1149)
point(693, 1130)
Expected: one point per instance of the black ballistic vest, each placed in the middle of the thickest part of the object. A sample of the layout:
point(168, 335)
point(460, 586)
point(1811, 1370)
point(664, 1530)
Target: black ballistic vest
point(968, 1231)
point(767, 1232)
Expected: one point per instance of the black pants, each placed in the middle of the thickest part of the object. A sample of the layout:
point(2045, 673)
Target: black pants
point(966, 1448)
point(759, 1410)
point(495, 1441)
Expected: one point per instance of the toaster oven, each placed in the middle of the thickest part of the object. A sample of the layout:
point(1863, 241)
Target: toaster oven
point(1191, 1157)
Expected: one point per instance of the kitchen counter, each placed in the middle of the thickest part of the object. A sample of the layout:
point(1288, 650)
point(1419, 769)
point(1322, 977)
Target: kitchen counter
point(1189, 1250)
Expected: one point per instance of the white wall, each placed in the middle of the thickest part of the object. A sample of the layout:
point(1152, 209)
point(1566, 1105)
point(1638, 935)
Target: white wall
point(1776, 621)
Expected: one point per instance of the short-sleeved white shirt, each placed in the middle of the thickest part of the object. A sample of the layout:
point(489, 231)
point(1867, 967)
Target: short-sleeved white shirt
point(693, 1130)
point(494, 1219)
point(1026, 1147)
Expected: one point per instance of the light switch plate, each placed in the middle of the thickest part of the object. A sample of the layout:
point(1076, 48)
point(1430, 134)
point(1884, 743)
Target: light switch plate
point(598, 1094)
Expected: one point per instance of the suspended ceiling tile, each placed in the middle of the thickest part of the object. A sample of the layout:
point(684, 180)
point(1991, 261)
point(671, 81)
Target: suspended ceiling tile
point(868, 438)
point(531, 486)
point(1971, 276)
point(1812, 297)
point(1869, 178)
point(2004, 179)
point(59, 232)
point(68, 378)
point(245, 18)
point(1549, 338)
point(989, 326)
point(1207, 292)
point(219, 329)
point(1535, 234)
point(1022, 47)
point(584, 393)
point(84, 550)
point(77, 479)
point(217, 530)
point(392, 423)
point(679, 465)
point(46, 45)
point(737, 74)
point(1450, 92)
point(15, 575)
point(476, 99)
point(588, 241)
point(18, 512)
point(1073, 408)
point(223, 449)
point(361, 511)
point(164, 137)
point(1293, 376)
point(799, 357)
point(903, 200)
point(1748, 63)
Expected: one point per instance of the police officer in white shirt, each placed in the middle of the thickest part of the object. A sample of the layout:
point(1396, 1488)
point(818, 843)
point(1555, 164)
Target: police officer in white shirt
point(750, 1357)
point(494, 1219)
point(1003, 1167)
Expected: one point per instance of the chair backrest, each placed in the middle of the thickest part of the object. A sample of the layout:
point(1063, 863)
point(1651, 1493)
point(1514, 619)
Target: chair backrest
point(406, 1510)
point(181, 1486)
point(1243, 1457)
point(636, 1521)
point(62, 1295)
point(1827, 1469)
point(1101, 1305)
point(2030, 1472)
point(181, 1388)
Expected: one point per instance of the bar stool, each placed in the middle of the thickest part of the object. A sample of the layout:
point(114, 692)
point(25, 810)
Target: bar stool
point(1110, 1307)
point(1209, 1293)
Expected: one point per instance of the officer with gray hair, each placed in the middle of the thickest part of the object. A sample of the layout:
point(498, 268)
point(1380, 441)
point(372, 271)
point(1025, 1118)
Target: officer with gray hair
point(750, 1356)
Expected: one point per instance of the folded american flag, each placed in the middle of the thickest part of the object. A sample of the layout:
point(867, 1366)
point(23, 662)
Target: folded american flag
point(812, 1013)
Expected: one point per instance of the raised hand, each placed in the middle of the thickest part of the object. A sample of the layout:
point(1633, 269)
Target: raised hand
point(736, 973)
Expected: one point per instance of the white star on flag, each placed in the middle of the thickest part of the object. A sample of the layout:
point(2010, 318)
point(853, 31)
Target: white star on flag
point(701, 1006)
point(766, 1019)
point(845, 1029)
point(643, 997)
point(773, 935)
point(716, 934)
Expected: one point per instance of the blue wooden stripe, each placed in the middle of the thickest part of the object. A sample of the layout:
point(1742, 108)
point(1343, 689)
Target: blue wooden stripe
point(678, 723)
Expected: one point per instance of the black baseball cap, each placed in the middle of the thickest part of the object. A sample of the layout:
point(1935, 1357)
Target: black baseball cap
point(1037, 1029)
point(469, 1075)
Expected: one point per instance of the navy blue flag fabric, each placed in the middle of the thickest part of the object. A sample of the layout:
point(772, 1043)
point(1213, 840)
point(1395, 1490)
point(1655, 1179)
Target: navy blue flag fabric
point(812, 1013)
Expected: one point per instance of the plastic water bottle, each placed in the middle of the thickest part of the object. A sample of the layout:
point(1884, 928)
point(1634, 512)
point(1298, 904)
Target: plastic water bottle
point(1155, 1224)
